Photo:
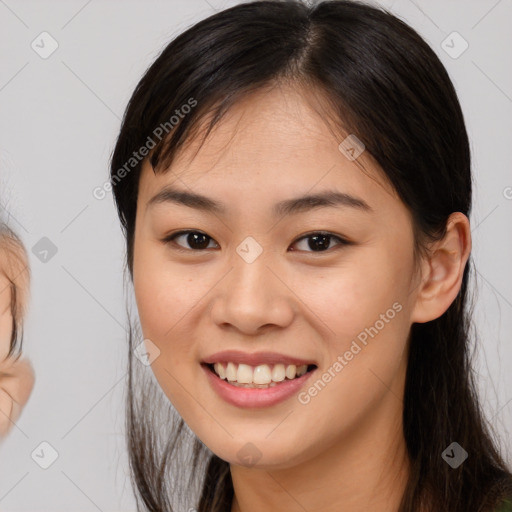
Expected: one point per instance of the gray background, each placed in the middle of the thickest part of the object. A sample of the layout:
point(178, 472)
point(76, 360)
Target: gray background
point(58, 121)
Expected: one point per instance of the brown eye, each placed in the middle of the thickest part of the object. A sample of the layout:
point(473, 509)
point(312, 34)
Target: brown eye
point(318, 241)
point(195, 240)
point(321, 241)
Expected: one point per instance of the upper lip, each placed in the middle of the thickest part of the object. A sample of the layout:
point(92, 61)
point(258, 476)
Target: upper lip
point(255, 358)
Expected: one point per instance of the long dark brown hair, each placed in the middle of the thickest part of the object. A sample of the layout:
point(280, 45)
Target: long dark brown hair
point(384, 84)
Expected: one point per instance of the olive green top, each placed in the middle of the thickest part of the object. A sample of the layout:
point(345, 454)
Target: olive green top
point(506, 506)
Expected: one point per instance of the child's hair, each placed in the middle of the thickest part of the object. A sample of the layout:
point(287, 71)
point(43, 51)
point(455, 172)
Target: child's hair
point(383, 83)
point(14, 266)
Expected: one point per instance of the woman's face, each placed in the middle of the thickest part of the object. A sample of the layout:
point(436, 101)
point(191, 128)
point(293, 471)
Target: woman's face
point(251, 281)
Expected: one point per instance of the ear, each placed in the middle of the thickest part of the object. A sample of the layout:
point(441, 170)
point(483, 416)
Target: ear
point(442, 270)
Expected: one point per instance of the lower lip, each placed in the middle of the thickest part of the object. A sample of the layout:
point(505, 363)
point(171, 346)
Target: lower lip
point(255, 397)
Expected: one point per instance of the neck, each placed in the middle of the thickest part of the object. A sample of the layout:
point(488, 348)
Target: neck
point(366, 469)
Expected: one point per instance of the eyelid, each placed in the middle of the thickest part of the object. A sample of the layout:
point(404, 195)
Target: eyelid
point(342, 240)
point(169, 239)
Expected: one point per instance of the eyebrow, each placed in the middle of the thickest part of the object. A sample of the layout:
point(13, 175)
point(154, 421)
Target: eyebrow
point(327, 198)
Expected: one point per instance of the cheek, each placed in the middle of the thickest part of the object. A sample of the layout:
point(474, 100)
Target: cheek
point(365, 306)
point(164, 309)
point(162, 290)
point(353, 296)
point(363, 371)
point(169, 298)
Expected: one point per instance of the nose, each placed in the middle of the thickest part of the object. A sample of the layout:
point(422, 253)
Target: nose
point(253, 298)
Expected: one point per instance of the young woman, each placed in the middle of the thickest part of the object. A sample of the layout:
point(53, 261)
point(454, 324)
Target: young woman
point(294, 186)
point(16, 373)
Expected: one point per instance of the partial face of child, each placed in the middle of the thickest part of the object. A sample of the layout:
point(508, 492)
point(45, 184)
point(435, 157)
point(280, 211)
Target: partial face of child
point(16, 374)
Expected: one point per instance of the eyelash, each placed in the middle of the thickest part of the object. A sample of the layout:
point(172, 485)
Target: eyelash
point(170, 239)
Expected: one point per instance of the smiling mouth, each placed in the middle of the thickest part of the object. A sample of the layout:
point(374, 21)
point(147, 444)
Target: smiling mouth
point(262, 376)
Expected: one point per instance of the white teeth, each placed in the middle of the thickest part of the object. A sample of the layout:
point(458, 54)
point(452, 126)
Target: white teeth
point(263, 375)
point(278, 373)
point(291, 371)
point(244, 374)
point(219, 369)
point(231, 372)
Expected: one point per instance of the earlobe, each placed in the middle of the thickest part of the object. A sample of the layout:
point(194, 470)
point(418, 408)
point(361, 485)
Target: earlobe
point(443, 270)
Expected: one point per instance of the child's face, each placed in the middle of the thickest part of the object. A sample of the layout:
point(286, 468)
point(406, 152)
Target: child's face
point(297, 298)
point(16, 375)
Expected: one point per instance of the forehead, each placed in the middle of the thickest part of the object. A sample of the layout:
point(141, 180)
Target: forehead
point(271, 143)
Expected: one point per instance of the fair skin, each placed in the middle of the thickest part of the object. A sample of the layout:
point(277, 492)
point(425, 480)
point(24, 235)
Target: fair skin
point(16, 375)
point(344, 449)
